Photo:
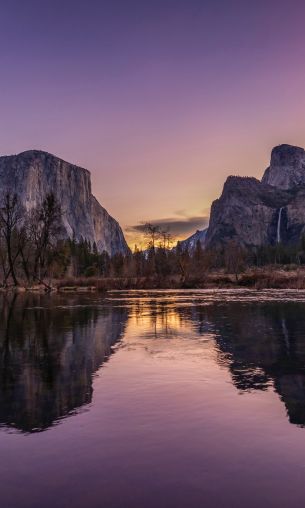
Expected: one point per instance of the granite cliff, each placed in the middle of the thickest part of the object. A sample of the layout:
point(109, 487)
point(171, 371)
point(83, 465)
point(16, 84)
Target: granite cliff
point(265, 212)
point(287, 167)
point(35, 173)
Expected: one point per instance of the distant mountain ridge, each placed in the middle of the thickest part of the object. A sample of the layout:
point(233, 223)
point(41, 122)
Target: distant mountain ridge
point(191, 242)
point(35, 173)
point(265, 212)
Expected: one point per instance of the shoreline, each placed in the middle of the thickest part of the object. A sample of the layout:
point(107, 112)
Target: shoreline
point(258, 278)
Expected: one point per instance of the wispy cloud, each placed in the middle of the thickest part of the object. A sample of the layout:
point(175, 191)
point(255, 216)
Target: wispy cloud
point(178, 227)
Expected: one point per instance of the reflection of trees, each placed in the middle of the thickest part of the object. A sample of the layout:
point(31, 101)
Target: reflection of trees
point(159, 317)
point(50, 346)
point(49, 349)
point(262, 343)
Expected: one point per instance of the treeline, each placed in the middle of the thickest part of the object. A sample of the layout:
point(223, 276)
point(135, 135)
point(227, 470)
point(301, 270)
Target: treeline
point(33, 250)
point(159, 261)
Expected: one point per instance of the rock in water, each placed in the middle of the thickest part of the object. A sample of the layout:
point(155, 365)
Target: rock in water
point(248, 210)
point(35, 173)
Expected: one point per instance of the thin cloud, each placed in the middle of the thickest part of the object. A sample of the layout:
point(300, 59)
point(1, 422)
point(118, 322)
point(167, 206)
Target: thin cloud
point(178, 227)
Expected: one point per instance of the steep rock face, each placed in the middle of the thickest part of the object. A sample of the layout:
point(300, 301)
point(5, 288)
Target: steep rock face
point(287, 167)
point(35, 173)
point(258, 213)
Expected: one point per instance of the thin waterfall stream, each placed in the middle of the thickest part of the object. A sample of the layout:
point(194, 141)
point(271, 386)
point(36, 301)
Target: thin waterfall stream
point(278, 231)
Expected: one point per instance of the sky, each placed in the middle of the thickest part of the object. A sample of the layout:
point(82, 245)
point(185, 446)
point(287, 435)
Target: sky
point(161, 100)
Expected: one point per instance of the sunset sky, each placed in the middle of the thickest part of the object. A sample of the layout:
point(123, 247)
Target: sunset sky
point(161, 100)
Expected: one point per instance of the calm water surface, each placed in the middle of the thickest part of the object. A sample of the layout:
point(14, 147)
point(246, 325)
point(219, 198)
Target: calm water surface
point(153, 399)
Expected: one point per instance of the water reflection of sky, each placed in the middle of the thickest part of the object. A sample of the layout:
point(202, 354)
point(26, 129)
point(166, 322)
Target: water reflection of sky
point(185, 399)
point(52, 346)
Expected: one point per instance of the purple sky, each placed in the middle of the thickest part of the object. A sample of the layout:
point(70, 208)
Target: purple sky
point(160, 100)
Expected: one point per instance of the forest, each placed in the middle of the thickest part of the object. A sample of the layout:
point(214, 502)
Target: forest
point(34, 251)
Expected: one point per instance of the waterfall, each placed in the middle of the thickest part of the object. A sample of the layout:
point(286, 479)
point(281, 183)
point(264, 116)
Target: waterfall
point(278, 231)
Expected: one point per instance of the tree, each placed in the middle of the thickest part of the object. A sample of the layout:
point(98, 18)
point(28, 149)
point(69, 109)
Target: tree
point(151, 233)
point(44, 229)
point(183, 262)
point(235, 257)
point(166, 238)
point(117, 265)
point(26, 250)
point(138, 263)
point(104, 264)
point(10, 218)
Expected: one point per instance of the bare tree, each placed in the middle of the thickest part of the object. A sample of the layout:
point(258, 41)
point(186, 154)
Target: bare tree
point(25, 248)
point(166, 238)
point(152, 234)
point(183, 262)
point(235, 258)
point(44, 226)
point(10, 218)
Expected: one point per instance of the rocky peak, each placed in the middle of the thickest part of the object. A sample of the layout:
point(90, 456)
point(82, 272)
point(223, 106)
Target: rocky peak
point(287, 167)
point(241, 184)
point(35, 173)
point(270, 211)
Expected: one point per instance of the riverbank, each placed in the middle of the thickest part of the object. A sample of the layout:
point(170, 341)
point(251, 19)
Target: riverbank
point(286, 277)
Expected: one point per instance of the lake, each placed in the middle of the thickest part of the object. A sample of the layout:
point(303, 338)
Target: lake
point(153, 399)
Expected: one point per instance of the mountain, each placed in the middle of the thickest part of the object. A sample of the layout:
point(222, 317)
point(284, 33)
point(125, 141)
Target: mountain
point(191, 242)
point(287, 167)
point(262, 212)
point(35, 173)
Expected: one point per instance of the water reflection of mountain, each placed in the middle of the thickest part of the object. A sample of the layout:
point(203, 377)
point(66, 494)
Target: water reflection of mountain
point(49, 349)
point(262, 344)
